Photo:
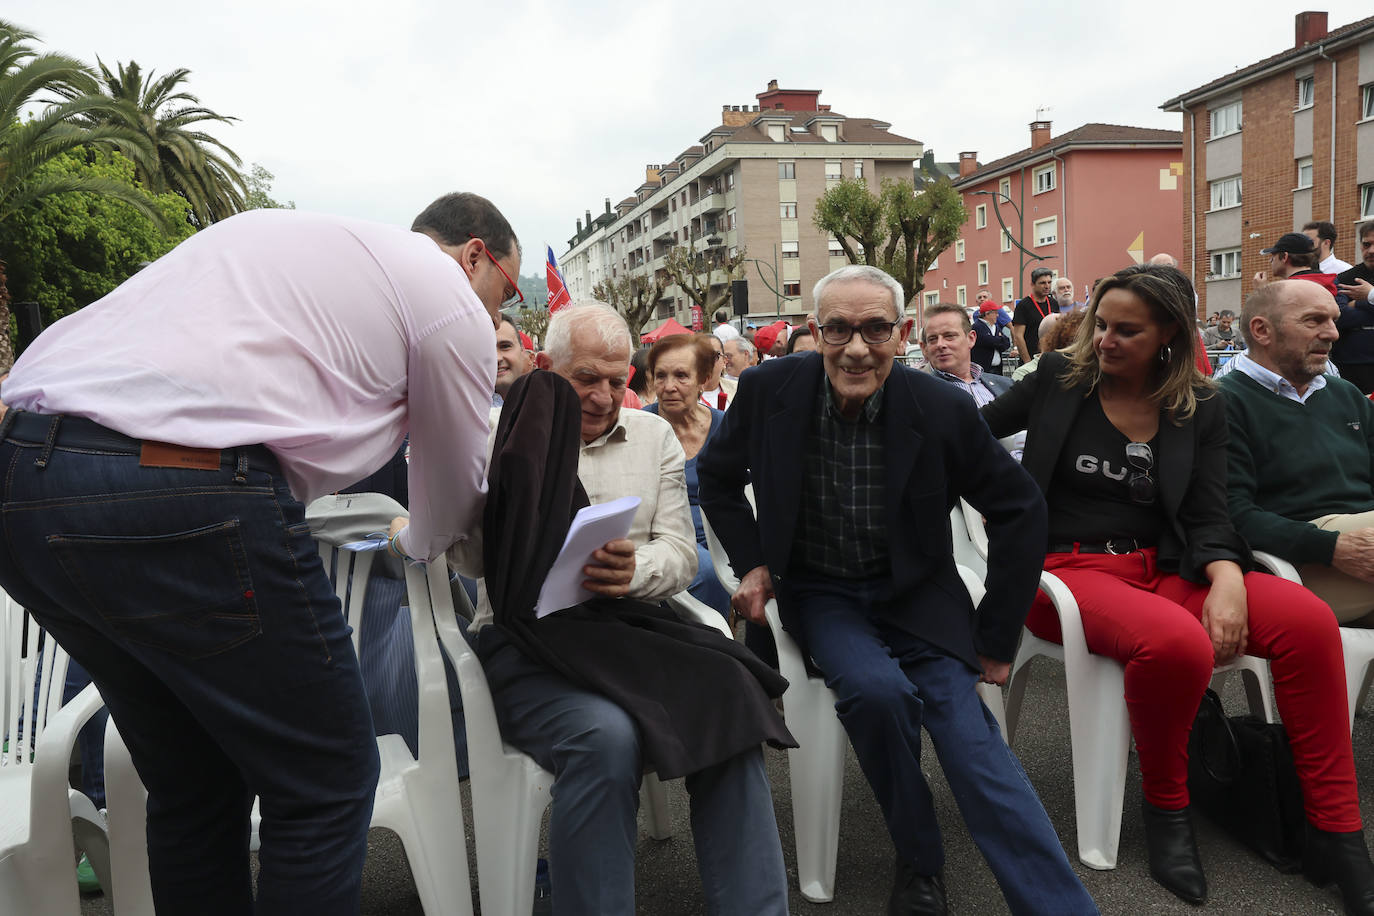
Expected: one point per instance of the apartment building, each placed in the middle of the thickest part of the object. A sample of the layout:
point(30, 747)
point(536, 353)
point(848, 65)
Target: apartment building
point(750, 183)
point(1273, 145)
point(1084, 204)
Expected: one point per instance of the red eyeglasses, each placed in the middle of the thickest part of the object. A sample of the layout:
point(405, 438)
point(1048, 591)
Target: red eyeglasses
point(513, 298)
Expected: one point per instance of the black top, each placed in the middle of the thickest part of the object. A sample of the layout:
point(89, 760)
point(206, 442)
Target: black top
point(1090, 495)
point(1030, 312)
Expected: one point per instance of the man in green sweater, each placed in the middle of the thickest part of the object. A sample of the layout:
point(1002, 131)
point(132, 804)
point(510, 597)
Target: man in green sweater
point(1301, 446)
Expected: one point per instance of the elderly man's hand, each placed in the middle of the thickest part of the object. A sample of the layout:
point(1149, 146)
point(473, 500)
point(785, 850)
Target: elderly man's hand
point(611, 569)
point(1354, 554)
point(754, 591)
point(994, 672)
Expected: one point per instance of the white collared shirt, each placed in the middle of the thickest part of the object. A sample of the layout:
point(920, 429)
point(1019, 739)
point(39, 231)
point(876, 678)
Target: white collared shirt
point(1275, 382)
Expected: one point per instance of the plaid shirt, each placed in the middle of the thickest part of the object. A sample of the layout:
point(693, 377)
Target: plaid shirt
point(842, 525)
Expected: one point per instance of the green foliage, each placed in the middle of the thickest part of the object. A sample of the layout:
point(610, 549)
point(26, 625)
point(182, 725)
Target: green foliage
point(65, 251)
point(900, 230)
point(259, 195)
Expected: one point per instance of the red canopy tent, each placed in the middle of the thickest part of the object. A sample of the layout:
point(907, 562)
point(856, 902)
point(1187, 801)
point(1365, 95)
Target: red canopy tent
point(667, 329)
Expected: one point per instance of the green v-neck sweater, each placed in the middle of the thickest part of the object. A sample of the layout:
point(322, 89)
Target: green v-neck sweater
point(1290, 462)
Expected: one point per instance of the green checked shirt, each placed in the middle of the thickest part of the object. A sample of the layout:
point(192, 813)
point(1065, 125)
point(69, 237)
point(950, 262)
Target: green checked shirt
point(842, 525)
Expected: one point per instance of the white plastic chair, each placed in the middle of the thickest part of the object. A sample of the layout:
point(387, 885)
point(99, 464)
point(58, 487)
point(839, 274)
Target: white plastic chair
point(816, 766)
point(1357, 643)
point(44, 821)
point(417, 798)
point(1099, 726)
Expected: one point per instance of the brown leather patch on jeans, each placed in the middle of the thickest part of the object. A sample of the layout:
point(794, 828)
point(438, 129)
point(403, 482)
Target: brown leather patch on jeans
point(166, 455)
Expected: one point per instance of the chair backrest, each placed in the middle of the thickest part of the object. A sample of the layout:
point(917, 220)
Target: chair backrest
point(350, 571)
point(430, 597)
point(342, 519)
point(33, 672)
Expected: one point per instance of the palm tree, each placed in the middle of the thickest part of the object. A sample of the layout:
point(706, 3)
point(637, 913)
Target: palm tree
point(66, 90)
point(187, 160)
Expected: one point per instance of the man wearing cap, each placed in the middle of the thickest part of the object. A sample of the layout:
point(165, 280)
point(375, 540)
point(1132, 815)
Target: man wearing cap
point(771, 341)
point(514, 358)
point(989, 341)
point(1292, 257)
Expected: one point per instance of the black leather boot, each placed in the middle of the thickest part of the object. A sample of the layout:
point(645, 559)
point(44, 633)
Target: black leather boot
point(914, 894)
point(1174, 861)
point(1344, 859)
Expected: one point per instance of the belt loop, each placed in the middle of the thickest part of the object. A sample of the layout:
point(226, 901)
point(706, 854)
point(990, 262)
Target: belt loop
point(8, 420)
point(41, 461)
point(241, 470)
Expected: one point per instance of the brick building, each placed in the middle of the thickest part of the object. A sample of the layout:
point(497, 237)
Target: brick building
point(1090, 202)
point(1261, 160)
point(751, 183)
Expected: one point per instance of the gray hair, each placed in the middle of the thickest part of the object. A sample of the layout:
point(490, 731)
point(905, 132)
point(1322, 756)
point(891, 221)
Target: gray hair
point(743, 343)
point(866, 274)
point(603, 318)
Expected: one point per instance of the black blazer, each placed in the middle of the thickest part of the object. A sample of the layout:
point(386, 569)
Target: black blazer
point(936, 449)
point(1190, 464)
point(987, 341)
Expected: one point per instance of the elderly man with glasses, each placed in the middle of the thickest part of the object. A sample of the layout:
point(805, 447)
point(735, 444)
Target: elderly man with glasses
point(856, 461)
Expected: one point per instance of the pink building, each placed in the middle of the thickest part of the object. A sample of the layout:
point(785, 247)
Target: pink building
point(1090, 202)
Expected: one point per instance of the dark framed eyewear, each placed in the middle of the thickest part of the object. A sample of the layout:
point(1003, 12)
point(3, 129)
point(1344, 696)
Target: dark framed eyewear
point(875, 332)
point(1142, 461)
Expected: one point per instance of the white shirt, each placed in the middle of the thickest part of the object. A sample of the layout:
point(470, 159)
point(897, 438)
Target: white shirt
point(1275, 382)
point(641, 457)
point(1332, 265)
point(324, 339)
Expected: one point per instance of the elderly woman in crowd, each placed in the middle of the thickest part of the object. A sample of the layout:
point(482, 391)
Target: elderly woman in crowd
point(1128, 442)
point(678, 367)
point(717, 391)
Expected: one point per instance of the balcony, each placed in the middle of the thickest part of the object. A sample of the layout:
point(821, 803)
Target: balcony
point(713, 202)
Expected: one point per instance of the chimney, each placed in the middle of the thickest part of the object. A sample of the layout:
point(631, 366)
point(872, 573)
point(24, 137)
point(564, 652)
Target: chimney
point(1308, 27)
point(772, 84)
point(1040, 134)
point(608, 205)
point(589, 216)
point(968, 163)
point(579, 227)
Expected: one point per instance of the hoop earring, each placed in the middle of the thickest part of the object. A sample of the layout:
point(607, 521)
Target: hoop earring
point(1165, 354)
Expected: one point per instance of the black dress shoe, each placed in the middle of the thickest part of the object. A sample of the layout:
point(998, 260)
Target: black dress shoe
point(1174, 861)
point(915, 894)
point(1344, 859)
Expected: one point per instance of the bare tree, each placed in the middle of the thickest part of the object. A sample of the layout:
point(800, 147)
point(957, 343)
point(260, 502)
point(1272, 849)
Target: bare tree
point(692, 271)
point(634, 297)
point(534, 322)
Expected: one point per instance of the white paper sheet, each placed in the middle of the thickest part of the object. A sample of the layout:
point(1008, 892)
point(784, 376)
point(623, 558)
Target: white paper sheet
point(591, 528)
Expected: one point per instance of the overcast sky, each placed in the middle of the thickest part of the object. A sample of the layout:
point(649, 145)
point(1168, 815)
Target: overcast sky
point(373, 109)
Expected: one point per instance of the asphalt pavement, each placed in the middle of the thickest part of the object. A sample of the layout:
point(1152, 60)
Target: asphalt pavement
point(666, 876)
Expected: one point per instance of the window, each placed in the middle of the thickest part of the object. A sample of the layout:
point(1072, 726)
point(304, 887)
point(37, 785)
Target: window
point(1366, 201)
point(980, 216)
point(1008, 290)
point(730, 180)
point(1006, 240)
point(786, 170)
point(1305, 173)
point(792, 289)
point(858, 168)
point(789, 250)
point(959, 249)
point(787, 210)
point(832, 170)
point(1305, 92)
point(729, 220)
point(1226, 193)
point(961, 295)
point(775, 133)
point(672, 204)
point(684, 198)
point(982, 273)
point(829, 132)
point(1004, 188)
point(1043, 178)
point(1367, 106)
point(1225, 120)
point(929, 299)
point(1225, 264)
point(835, 250)
point(1046, 231)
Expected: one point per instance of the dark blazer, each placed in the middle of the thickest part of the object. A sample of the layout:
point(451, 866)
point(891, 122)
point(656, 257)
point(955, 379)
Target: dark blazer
point(987, 342)
point(936, 449)
point(1190, 464)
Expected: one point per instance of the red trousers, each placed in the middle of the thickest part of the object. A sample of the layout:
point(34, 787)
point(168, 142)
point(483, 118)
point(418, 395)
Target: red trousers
point(1150, 622)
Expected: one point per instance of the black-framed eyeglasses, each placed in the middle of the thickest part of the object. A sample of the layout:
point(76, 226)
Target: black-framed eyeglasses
point(875, 332)
point(1142, 460)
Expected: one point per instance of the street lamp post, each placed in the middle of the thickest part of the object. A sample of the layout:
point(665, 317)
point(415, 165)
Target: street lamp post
point(1024, 253)
point(772, 287)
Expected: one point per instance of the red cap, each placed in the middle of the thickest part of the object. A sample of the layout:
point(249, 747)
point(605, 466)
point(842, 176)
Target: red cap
point(988, 306)
point(525, 340)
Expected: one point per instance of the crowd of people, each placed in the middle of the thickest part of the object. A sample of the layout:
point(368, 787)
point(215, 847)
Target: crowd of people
point(182, 576)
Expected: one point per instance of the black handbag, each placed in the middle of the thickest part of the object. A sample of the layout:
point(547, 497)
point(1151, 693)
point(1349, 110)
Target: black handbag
point(1241, 775)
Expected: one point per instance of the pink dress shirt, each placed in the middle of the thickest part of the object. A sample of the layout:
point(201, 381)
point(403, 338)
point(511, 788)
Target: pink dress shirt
point(324, 339)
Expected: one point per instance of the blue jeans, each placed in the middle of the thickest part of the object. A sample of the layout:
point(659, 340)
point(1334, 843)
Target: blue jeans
point(889, 685)
point(197, 601)
point(592, 747)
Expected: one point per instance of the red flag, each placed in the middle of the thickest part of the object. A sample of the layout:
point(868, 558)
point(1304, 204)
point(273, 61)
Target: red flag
point(558, 289)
